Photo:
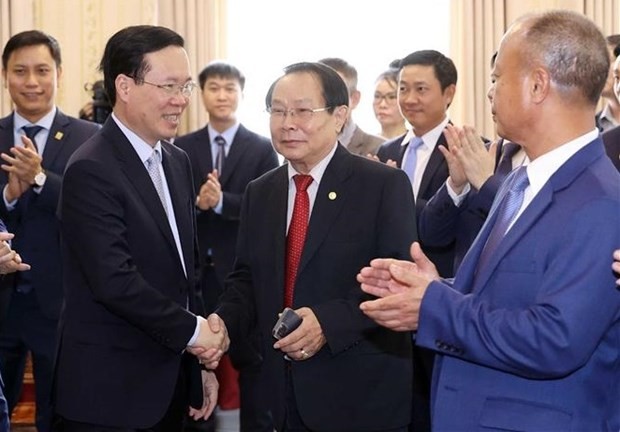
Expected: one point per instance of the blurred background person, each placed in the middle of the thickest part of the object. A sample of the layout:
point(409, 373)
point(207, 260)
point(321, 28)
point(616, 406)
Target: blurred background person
point(609, 116)
point(385, 105)
point(352, 137)
point(611, 138)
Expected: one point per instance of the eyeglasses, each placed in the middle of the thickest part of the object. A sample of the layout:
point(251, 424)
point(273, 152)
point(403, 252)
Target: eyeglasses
point(301, 114)
point(389, 98)
point(185, 90)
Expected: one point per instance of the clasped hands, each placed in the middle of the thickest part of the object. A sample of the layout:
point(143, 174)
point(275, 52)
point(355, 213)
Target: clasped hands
point(399, 286)
point(10, 261)
point(469, 160)
point(23, 164)
point(212, 341)
point(210, 192)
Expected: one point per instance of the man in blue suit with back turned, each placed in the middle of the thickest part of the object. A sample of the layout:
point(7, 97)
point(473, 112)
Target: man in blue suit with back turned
point(36, 141)
point(528, 330)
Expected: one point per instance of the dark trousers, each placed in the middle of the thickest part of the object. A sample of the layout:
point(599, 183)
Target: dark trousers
point(293, 421)
point(254, 413)
point(172, 421)
point(27, 329)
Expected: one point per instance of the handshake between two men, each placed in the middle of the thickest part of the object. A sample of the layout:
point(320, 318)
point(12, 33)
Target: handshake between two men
point(211, 342)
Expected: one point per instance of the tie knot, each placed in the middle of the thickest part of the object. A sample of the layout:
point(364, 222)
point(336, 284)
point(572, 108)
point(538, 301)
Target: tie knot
point(416, 142)
point(509, 150)
point(154, 159)
point(32, 131)
point(520, 180)
point(220, 140)
point(302, 182)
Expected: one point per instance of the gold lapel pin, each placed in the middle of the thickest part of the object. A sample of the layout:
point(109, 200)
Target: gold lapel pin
point(58, 135)
point(332, 196)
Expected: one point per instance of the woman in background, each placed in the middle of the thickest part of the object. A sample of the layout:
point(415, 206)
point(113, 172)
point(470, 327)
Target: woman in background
point(385, 105)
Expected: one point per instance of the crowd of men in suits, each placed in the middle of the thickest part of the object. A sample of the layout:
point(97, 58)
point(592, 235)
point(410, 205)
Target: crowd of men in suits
point(443, 295)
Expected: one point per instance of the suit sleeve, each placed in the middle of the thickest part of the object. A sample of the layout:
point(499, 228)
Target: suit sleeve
point(94, 228)
point(439, 220)
point(341, 319)
point(575, 304)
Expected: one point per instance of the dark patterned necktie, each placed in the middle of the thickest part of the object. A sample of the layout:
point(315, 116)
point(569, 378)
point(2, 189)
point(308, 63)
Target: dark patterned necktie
point(31, 132)
point(221, 153)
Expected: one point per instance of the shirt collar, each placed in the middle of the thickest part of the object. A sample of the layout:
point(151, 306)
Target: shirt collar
point(45, 121)
point(540, 170)
point(431, 137)
point(228, 134)
point(144, 149)
point(318, 170)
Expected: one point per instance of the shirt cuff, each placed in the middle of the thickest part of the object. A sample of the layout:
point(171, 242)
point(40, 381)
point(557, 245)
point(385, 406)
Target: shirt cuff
point(457, 199)
point(194, 337)
point(9, 205)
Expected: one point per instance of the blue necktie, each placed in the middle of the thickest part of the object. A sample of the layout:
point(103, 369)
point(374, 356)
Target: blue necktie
point(507, 210)
point(412, 157)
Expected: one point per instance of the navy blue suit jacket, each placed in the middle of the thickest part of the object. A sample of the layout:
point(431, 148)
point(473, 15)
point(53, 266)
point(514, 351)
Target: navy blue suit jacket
point(530, 341)
point(33, 221)
point(125, 323)
point(361, 379)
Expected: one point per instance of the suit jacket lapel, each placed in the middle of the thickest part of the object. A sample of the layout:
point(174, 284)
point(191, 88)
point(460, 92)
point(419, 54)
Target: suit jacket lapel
point(434, 163)
point(562, 178)
point(57, 135)
point(138, 177)
point(326, 209)
point(182, 204)
point(236, 151)
point(277, 202)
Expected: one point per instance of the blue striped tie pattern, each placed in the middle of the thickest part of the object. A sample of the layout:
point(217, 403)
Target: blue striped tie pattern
point(508, 208)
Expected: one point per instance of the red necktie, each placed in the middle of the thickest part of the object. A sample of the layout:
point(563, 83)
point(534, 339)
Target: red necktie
point(296, 235)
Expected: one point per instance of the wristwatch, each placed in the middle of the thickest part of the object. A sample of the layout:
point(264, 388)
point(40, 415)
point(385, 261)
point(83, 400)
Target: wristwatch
point(39, 179)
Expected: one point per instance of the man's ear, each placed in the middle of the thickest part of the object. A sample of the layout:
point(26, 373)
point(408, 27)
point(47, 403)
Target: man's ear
point(341, 113)
point(540, 84)
point(123, 85)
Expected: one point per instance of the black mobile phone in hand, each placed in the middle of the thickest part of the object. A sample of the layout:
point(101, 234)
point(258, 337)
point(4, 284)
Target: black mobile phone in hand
point(287, 322)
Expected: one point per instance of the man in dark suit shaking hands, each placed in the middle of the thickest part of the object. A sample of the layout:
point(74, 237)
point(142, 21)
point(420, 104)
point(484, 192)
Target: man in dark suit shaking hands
point(36, 141)
point(130, 255)
point(337, 371)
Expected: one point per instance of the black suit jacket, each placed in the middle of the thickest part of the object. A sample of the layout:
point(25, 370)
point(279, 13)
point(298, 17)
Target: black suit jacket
point(249, 157)
point(361, 379)
point(33, 220)
point(433, 178)
point(125, 321)
point(611, 139)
